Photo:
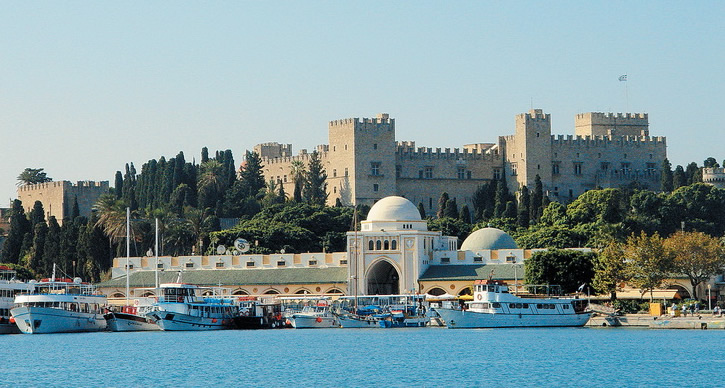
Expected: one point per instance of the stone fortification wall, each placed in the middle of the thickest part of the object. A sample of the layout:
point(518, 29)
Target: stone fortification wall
point(585, 163)
point(603, 124)
point(58, 196)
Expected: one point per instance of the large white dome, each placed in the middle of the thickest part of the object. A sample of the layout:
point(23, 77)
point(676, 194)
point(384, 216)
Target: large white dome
point(488, 238)
point(393, 209)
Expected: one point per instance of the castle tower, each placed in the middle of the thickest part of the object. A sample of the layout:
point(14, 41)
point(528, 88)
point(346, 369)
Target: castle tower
point(528, 151)
point(361, 160)
point(610, 124)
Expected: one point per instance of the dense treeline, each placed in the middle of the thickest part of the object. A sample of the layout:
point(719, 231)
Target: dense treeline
point(191, 201)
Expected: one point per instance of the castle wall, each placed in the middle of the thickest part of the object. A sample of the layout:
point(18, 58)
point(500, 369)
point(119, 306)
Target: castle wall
point(58, 196)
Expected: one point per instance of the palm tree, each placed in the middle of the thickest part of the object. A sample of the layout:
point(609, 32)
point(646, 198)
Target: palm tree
point(111, 217)
point(195, 219)
point(211, 176)
point(31, 176)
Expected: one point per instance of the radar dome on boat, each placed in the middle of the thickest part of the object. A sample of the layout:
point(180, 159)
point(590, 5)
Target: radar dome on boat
point(488, 238)
point(393, 208)
point(77, 280)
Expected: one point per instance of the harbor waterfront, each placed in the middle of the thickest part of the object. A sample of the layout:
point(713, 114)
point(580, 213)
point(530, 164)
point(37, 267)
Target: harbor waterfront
point(370, 357)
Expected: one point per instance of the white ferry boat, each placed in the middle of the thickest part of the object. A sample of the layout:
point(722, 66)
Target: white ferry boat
point(59, 306)
point(493, 306)
point(179, 308)
point(9, 288)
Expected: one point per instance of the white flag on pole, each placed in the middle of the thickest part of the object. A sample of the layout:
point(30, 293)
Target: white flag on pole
point(623, 77)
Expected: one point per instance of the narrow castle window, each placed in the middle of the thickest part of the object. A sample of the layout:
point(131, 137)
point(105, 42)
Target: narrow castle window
point(375, 168)
point(428, 172)
point(334, 172)
point(514, 169)
point(371, 245)
point(375, 146)
point(578, 168)
point(555, 169)
point(375, 187)
point(461, 173)
point(496, 173)
point(345, 171)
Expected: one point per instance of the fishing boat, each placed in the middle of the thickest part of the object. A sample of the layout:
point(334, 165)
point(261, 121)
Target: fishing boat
point(133, 317)
point(493, 306)
point(255, 313)
point(59, 305)
point(315, 315)
point(357, 318)
point(179, 308)
point(9, 288)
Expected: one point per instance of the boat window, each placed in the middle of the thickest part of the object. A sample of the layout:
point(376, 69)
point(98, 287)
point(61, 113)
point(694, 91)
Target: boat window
point(496, 305)
point(491, 288)
point(565, 306)
point(512, 305)
point(519, 305)
point(539, 306)
point(485, 306)
point(526, 305)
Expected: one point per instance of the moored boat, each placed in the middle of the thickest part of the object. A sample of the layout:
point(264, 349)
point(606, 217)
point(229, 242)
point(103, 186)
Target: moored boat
point(59, 306)
point(316, 315)
point(132, 317)
point(9, 288)
point(257, 314)
point(179, 308)
point(493, 306)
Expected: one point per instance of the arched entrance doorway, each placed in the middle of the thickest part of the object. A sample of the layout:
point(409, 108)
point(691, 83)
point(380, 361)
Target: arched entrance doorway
point(383, 279)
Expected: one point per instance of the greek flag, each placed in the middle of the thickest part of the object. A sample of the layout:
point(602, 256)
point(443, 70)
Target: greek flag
point(623, 77)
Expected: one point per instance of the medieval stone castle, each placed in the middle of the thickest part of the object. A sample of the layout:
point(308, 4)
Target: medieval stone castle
point(365, 163)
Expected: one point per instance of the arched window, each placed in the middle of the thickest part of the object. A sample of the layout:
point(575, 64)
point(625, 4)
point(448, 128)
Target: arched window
point(386, 245)
point(378, 245)
point(371, 245)
point(394, 245)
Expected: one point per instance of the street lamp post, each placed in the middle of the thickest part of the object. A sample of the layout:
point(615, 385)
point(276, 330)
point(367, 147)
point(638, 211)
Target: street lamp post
point(709, 296)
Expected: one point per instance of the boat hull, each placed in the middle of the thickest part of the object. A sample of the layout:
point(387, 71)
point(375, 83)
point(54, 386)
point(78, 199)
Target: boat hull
point(173, 321)
point(43, 320)
point(461, 319)
point(9, 328)
point(301, 321)
point(129, 322)
point(347, 322)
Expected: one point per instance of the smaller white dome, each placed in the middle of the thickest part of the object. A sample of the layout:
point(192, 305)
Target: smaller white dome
point(394, 209)
point(488, 238)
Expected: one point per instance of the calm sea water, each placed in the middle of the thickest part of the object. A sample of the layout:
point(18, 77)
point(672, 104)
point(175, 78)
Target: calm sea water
point(369, 357)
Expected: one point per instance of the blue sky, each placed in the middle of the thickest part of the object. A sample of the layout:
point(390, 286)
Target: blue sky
point(86, 87)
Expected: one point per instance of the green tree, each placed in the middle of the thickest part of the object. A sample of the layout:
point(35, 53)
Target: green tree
point(567, 268)
point(35, 256)
point(451, 209)
point(465, 215)
point(252, 174)
point(450, 227)
point(51, 250)
point(31, 176)
point(118, 185)
point(696, 255)
point(19, 227)
point(421, 210)
point(522, 218)
point(37, 214)
point(648, 262)
point(298, 173)
point(610, 270)
point(536, 208)
point(315, 188)
point(442, 201)
point(667, 184)
point(710, 163)
point(500, 199)
point(679, 178)
point(210, 184)
point(693, 173)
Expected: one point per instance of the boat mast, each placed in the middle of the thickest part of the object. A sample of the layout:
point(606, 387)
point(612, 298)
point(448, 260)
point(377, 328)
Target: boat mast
point(128, 248)
point(156, 268)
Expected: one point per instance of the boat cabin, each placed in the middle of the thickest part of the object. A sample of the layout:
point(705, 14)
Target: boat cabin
point(177, 292)
point(490, 285)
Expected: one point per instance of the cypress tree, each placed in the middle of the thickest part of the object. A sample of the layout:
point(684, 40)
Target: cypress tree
point(442, 201)
point(51, 251)
point(451, 209)
point(522, 217)
point(501, 196)
point(510, 211)
point(118, 186)
point(465, 214)
point(315, 189)
point(37, 215)
point(252, 175)
point(693, 173)
point(679, 178)
point(536, 207)
point(35, 256)
point(19, 227)
point(667, 184)
point(204, 155)
point(421, 210)
point(75, 211)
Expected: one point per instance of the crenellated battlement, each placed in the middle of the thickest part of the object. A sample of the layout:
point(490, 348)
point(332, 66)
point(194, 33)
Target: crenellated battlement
point(603, 118)
point(382, 121)
point(64, 184)
point(603, 141)
point(534, 115)
point(303, 156)
point(411, 152)
point(619, 124)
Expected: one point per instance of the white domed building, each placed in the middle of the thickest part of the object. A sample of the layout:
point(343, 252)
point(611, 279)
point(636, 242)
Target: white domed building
point(393, 249)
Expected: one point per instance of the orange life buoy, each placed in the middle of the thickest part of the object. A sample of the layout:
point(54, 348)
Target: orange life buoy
point(213, 320)
point(180, 299)
point(479, 297)
point(319, 319)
